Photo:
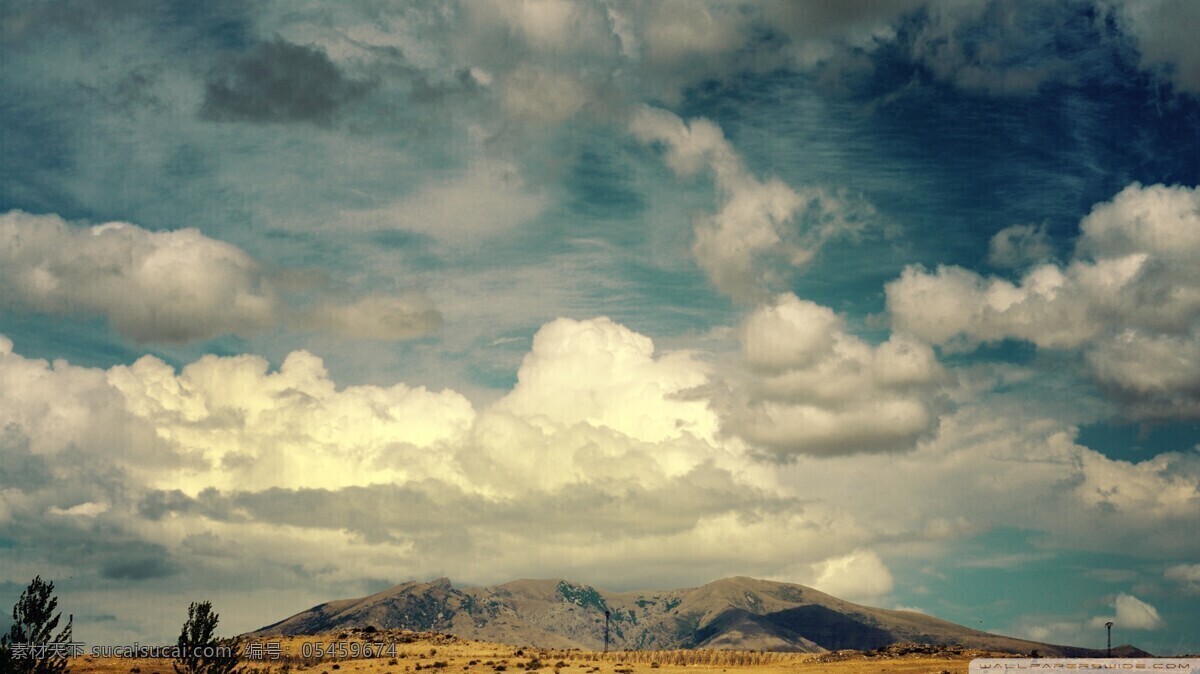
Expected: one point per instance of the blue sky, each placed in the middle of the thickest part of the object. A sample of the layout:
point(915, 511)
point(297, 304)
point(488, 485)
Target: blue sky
point(896, 300)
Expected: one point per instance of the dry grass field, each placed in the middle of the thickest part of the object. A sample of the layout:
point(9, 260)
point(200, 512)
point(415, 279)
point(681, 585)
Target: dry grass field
point(406, 652)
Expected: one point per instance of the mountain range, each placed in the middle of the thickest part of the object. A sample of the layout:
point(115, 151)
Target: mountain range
point(732, 613)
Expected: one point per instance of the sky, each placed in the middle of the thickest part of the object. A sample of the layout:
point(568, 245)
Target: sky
point(898, 300)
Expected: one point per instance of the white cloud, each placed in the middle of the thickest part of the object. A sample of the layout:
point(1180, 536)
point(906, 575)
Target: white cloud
point(604, 374)
point(487, 199)
point(552, 27)
point(599, 459)
point(677, 32)
point(990, 459)
point(1166, 41)
point(1053, 632)
point(764, 229)
point(59, 408)
point(859, 576)
point(603, 458)
point(238, 425)
point(1131, 614)
point(154, 286)
point(174, 286)
point(816, 389)
point(1156, 487)
point(1129, 299)
point(1019, 246)
point(377, 317)
point(88, 509)
point(538, 95)
point(1186, 575)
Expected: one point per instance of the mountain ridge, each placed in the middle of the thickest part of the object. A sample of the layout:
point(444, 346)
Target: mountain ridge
point(740, 613)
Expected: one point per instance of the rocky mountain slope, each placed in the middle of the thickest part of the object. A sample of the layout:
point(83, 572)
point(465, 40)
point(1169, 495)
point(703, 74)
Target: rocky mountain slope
point(733, 613)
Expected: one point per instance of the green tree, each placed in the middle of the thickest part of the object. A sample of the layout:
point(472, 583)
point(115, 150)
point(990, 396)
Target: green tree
point(30, 647)
point(200, 651)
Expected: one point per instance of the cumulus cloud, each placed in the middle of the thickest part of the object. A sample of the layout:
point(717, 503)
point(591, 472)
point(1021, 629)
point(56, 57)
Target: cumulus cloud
point(817, 389)
point(601, 373)
point(173, 286)
point(764, 229)
point(1131, 614)
point(858, 576)
point(599, 459)
point(1164, 38)
point(1019, 246)
point(154, 286)
point(602, 463)
point(1186, 575)
point(1129, 299)
point(278, 81)
point(237, 424)
point(988, 463)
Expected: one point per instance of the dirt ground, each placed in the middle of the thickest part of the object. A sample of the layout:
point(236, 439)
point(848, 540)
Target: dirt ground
point(405, 653)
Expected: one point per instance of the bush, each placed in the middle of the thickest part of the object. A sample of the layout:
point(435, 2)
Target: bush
point(33, 625)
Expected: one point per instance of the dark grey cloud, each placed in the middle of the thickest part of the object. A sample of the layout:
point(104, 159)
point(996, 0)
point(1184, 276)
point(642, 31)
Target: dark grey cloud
point(138, 568)
point(278, 81)
point(430, 508)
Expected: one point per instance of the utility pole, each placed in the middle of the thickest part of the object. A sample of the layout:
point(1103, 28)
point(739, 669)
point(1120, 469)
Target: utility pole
point(1108, 625)
point(607, 613)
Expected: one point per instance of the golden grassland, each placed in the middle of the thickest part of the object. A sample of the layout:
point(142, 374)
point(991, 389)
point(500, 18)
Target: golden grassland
point(407, 652)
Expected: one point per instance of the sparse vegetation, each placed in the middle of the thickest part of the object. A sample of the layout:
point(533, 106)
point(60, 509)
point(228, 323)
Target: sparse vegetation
point(487, 658)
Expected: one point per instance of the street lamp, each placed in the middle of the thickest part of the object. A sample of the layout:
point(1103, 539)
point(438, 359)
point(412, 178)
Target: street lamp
point(1108, 625)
